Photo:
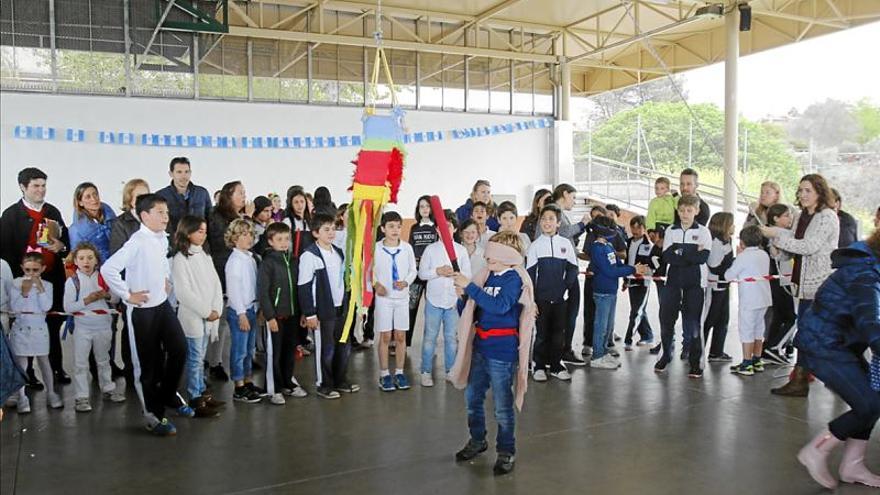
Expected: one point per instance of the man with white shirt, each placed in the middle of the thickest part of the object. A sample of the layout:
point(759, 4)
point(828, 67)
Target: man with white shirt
point(157, 339)
point(33, 223)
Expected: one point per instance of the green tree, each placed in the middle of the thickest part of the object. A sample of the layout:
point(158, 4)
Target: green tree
point(666, 126)
point(868, 117)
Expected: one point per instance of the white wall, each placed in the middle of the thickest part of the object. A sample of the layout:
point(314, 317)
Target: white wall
point(513, 163)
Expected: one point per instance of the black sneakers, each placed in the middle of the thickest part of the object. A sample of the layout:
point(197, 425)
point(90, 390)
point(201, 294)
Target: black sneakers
point(720, 358)
point(246, 394)
point(696, 372)
point(471, 450)
point(218, 373)
point(570, 358)
point(503, 464)
point(656, 349)
point(660, 367)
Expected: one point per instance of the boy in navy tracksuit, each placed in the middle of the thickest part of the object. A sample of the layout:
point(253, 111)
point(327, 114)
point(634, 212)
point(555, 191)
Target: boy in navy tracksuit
point(323, 300)
point(686, 250)
point(606, 268)
point(658, 269)
point(638, 252)
point(553, 268)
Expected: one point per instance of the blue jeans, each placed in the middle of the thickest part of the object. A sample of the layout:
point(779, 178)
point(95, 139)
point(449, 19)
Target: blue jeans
point(603, 325)
point(500, 376)
point(196, 347)
point(434, 317)
point(243, 344)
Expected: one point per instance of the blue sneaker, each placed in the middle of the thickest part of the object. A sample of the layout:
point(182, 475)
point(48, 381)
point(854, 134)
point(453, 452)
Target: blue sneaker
point(401, 382)
point(186, 411)
point(386, 384)
point(163, 429)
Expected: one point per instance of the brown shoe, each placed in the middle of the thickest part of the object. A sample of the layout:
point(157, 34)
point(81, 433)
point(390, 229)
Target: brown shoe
point(202, 409)
point(210, 401)
point(797, 386)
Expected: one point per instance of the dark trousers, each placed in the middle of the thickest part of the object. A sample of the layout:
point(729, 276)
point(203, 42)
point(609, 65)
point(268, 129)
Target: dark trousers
point(160, 350)
point(415, 298)
point(551, 325)
point(638, 318)
point(688, 301)
point(589, 313)
point(332, 367)
point(851, 381)
point(803, 304)
point(283, 353)
point(717, 320)
point(780, 317)
point(369, 334)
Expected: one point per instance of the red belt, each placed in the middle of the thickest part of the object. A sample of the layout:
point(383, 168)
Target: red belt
point(496, 332)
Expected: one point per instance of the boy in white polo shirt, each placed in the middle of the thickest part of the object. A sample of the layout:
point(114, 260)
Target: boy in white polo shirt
point(754, 297)
point(394, 270)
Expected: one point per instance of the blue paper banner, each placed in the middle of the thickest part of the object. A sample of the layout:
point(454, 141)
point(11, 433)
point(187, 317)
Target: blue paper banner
point(125, 138)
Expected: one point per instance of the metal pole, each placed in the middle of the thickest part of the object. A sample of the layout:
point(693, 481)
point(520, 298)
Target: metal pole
point(195, 65)
point(127, 40)
point(250, 69)
point(565, 91)
point(53, 55)
point(731, 142)
point(691, 143)
point(590, 155)
point(639, 140)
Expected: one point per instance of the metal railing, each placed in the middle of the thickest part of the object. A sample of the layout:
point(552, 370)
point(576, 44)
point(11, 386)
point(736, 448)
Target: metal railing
point(633, 185)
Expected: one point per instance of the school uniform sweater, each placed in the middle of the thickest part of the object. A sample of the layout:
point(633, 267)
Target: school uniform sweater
point(321, 287)
point(720, 259)
point(497, 307)
point(552, 266)
point(638, 251)
point(685, 258)
point(607, 268)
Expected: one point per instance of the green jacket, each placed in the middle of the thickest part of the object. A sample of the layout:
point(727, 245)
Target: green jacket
point(661, 210)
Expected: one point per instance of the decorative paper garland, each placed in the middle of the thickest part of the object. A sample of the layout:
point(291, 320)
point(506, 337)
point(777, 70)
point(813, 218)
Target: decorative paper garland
point(75, 135)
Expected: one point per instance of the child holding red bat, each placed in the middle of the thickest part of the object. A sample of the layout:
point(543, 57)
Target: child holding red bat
point(495, 332)
point(437, 267)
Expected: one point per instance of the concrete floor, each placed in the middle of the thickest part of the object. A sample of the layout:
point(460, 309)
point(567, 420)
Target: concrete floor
point(614, 432)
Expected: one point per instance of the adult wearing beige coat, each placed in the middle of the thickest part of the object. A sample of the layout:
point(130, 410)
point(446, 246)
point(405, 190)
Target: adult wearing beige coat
point(810, 241)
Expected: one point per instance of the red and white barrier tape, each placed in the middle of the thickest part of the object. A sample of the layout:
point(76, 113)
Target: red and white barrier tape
point(736, 281)
point(92, 312)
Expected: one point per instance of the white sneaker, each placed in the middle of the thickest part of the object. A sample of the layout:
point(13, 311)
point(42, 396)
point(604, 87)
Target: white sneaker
point(539, 376)
point(299, 392)
point(24, 406)
point(427, 380)
point(83, 405)
point(55, 401)
point(277, 399)
point(603, 363)
point(561, 375)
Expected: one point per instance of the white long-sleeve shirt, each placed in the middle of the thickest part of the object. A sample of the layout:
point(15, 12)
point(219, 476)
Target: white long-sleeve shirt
point(73, 302)
point(440, 291)
point(406, 268)
point(241, 281)
point(752, 262)
point(144, 259)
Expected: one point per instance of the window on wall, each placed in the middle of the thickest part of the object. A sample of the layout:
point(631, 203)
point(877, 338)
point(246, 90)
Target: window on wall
point(523, 88)
point(264, 63)
point(478, 84)
point(325, 74)
point(223, 74)
point(499, 85)
point(292, 71)
point(431, 87)
point(351, 75)
point(452, 78)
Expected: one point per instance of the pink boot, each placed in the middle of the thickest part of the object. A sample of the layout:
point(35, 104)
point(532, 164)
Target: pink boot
point(814, 457)
point(852, 466)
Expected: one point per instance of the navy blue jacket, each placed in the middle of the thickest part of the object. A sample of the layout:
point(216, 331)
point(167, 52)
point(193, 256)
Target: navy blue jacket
point(198, 204)
point(844, 318)
point(641, 258)
point(607, 268)
point(497, 308)
point(553, 268)
point(320, 301)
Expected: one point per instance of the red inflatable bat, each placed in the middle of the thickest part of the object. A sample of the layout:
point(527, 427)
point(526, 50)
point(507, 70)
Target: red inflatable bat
point(443, 228)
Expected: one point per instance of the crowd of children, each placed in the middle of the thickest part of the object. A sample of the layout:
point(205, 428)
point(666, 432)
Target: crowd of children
point(274, 279)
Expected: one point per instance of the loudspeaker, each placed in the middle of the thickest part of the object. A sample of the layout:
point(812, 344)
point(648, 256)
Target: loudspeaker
point(745, 17)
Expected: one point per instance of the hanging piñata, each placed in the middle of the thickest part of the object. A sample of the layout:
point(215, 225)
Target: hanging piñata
point(378, 173)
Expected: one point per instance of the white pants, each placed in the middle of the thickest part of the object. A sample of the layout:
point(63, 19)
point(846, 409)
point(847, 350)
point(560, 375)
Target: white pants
point(45, 373)
point(751, 324)
point(97, 342)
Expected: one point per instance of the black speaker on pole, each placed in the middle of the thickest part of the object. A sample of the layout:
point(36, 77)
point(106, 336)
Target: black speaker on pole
point(745, 17)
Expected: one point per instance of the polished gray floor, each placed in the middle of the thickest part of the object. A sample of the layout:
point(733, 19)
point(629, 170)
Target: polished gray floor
point(611, 432)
